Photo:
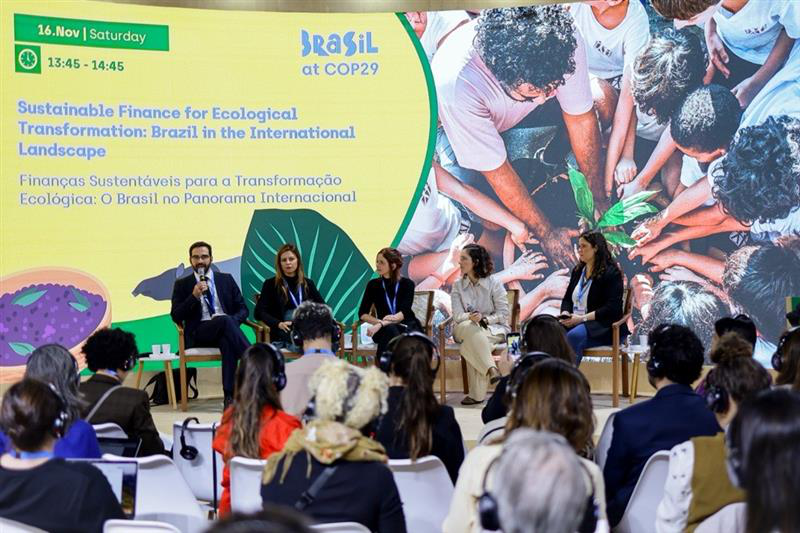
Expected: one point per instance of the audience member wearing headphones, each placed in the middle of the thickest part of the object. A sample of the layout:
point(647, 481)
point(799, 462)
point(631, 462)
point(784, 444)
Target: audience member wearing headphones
point(282, 294)
point(254, 425)
point(111, 354)
point(480, 315)
point(674, 415)
point(53, 364)
point(314, 332)
point(331, 469)
point(415, 424)
point(37, 488)
point(548, 495)
point(787, 359)
point(551, 395)
point(392, 297)
point(541, 333)
point(741, 324)
point(272, 519)
point(728, 345)
point(764, 460)
point(697, 484)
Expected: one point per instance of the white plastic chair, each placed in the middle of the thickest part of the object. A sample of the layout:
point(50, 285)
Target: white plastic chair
point(604, 442)
point(492, 430)
point(246, 484)
point(200, 473)
point(162, 494)
point(425, 490)
point(342, 527)
point(729, 518)
point(640, 514)
point(138, 526)
point(109, 430)
point(11, 526)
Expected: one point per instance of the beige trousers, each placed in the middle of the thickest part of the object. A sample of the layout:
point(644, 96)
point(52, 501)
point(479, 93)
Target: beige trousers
point(476, 348)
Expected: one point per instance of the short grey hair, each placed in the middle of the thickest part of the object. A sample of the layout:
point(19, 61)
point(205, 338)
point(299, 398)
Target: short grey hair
point(547, 496)
point(53, 364)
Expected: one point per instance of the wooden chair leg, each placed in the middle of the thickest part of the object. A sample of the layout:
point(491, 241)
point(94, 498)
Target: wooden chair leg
point(464, 378)
point(614, 382)
point(624, 358)
point(635, 378)
point(184, 391)
point(442, 381)
point(170, 384)
point(138, 382)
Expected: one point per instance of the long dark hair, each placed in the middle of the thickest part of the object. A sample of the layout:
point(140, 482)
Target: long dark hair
point(763, 440)
point(790, 359)
point(411, 361)
point(544, 333)
point(279, 277)
point(602, 257)
point(254, 391)
point(482, 263)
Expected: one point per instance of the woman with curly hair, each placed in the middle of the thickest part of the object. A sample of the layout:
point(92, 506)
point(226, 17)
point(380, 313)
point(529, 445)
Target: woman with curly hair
point(357, 485)
point(480, 315)
point(593, 301)
point(255, 425)
point(551, 396)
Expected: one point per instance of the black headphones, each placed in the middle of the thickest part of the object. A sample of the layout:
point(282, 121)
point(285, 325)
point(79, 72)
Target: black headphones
point(278, 366)
point(385, 358)
point(519, 372)
point(187, 451)
point(777, 357)
point(62, 418)
point(129, 363)
point(297, 337)
point(654, 366)
point(716, 397)
point(523, 334)
point(77, 376)
point(488, 509)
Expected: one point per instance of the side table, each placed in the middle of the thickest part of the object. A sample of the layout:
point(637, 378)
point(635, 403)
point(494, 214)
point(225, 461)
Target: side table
point(167, 374)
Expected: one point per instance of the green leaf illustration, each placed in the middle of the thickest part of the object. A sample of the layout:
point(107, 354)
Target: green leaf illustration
point(619, 238)
point(22, 348)
point(79, 307)
point(583, 195)
point(627, 209)
point(329, 256)
point(80, 297)
point(28, 297)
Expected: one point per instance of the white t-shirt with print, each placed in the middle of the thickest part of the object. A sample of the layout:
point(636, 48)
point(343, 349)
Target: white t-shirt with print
point(691, 173)
point(783, 227)
point(474, 108)
point(608, 52)
point(436, 222)
point(440, 23)
point(752, 31)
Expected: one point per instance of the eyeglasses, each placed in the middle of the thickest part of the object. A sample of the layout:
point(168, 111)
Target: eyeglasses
point(203, 257)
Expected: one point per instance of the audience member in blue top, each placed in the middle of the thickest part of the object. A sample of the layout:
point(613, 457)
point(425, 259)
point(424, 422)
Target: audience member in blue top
point(674, 415)
point(53, 364)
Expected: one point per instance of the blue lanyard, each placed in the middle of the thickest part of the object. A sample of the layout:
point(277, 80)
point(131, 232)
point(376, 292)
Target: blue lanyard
point(291, 294)
point(393, 304)
point(583, 285)
point(32, 455)
point(319, 350)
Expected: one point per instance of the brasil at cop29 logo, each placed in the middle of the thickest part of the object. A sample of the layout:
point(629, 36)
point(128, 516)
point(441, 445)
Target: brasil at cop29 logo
point(347, 44)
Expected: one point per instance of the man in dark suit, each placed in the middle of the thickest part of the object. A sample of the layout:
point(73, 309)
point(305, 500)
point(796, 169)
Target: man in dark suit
point(674, 415)
point(111, 354)
point(211, 308)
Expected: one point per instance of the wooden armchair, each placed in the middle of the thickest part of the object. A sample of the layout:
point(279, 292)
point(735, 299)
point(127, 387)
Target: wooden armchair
point(453, 349)
point(423, 308)
point(193, 355)
point(614, 351)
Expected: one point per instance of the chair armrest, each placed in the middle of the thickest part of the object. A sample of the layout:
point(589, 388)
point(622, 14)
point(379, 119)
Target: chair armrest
point(440, 327)
point(179, 327)
point(618, 323)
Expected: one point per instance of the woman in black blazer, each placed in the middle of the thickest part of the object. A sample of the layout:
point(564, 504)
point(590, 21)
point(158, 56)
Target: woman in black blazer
point(593, 301)
point(416, 424)
point(282, 294)
point(392, 295)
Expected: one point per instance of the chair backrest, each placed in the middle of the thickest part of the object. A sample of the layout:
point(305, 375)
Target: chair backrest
point(513, 308)
point(109, 430)
point(246, 484)
point(423, 309)
point(10, 526)
point(160, 488)
point(492, 430)
point(342, 527)
point(627, 299)
point(202, 473)
point(732, 517)
point(425, 490)
point(604, 442)
point(138, 526)
point(640, 514)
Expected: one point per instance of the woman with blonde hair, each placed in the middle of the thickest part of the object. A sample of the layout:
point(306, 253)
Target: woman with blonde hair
point(255, 425)
point(282, 294)
point(334, 455)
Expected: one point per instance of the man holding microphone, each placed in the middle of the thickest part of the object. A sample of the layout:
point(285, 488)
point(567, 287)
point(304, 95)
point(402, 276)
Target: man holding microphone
point(211, 308)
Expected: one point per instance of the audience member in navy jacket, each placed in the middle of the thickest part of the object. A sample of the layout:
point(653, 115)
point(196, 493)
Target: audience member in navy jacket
point(674, 415)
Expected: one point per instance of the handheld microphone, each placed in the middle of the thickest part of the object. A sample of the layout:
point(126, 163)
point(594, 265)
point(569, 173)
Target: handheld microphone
point(201, 271)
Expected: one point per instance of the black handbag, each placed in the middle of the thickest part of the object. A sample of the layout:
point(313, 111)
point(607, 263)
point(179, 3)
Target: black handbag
point(159, 395)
